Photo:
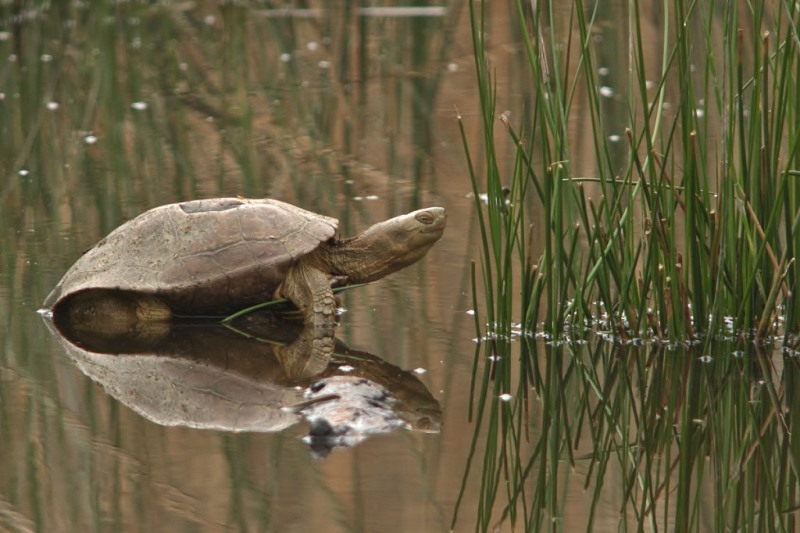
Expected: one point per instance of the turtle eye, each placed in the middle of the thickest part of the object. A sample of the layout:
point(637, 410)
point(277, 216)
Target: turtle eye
point(425, 217)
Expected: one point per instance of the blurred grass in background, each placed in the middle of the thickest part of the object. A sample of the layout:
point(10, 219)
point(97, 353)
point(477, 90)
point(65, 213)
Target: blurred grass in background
point(108, 108)
point(163, 101)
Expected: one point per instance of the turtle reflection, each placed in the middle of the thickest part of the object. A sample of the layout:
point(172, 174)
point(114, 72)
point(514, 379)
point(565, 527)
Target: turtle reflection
point(208, 376)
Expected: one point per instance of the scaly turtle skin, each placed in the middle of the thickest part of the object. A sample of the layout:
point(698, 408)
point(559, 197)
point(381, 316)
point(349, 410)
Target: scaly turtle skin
point(215, 256)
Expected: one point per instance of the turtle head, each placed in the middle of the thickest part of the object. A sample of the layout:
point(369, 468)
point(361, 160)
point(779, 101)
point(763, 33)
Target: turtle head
point(390, 245)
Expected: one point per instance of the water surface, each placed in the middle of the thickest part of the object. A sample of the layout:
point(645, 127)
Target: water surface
point(109, 110)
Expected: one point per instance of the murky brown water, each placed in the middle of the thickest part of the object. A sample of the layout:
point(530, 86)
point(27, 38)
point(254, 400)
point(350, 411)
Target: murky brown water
point(106, 112)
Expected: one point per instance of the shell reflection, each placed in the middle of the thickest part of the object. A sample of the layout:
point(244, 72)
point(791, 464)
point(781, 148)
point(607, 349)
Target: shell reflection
point(207, 376)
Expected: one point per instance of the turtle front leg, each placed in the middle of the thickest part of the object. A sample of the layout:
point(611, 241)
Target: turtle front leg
point(309, 289)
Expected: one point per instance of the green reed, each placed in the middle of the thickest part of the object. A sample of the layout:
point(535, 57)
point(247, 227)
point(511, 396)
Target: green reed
point(696, 226)
point(683, 233)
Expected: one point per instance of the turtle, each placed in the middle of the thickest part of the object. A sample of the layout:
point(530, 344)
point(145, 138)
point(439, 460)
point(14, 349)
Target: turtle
point(215, 256)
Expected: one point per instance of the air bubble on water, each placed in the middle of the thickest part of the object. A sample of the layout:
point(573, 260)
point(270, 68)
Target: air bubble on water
point(5, 35)
point(324, 64)
point(23, 172)
point(52, 106)
point(606, 91)
point(452, 67)
point(139, 106)
point(210, 20)
point(705, 359)
point(46, 58)
point(471, 312)
point(346, 368)
point(614, 138)
point(312, 46)
point(603, 71)
point(90, 139)
point(505, 397)
point(649, 84)
point(419, 371)
point(285, 57)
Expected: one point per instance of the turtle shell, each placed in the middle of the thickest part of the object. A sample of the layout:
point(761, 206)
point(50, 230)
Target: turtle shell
point(200, 257)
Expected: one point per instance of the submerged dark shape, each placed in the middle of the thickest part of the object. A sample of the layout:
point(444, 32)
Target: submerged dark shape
point(343, 411)
point(217, 256)
point(208, 376)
